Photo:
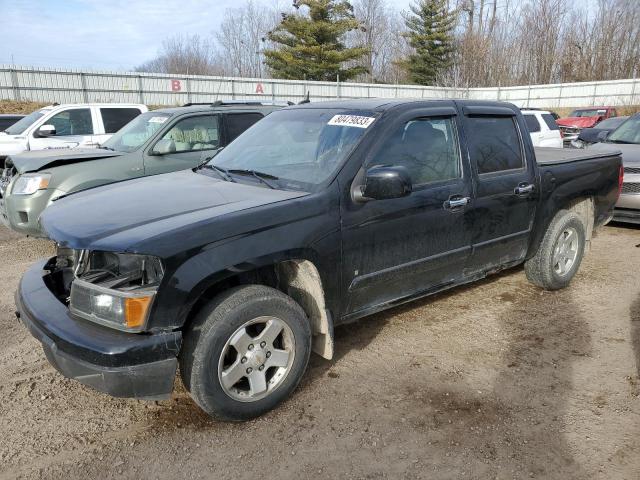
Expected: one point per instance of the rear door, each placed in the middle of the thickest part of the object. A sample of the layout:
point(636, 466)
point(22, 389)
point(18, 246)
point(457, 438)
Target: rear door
point(397, 248)
point(112, 119)
point(505, 184)
point(184, 144)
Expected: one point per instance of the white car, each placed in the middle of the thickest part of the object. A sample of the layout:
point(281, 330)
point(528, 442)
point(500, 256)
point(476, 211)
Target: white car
point(66, 126)
point(543, 128)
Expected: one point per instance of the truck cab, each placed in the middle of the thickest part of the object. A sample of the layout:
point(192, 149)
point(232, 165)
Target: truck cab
point(66, 126)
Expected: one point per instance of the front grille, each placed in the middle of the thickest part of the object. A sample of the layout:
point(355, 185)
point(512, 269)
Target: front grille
point(570, 130)
point(632, 170)
point(631, 188)
point(5, 178)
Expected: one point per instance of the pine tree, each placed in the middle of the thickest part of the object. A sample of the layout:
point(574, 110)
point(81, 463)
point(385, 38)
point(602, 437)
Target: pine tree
point(311, 46)
point(430, 33)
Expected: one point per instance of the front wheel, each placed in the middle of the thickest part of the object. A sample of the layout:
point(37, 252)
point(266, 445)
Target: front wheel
point(245, 352)
point(560, 253)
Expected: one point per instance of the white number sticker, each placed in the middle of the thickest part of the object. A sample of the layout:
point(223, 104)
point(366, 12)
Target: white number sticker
point(351, 121)
point(158, 119)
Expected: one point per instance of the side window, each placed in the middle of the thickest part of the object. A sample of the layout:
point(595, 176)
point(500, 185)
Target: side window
point(550, 121)
point(494, 143)
point(426, 147)
point(532, 123)
point(72, 122)
point(239, 122)
point(191, 134)
point(114, 119)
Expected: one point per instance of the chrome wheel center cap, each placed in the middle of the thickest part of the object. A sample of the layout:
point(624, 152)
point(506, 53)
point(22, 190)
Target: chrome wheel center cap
point(256, 357)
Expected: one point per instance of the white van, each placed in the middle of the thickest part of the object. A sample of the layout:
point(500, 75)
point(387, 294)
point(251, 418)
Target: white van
point(67, 126)
point(543, 128)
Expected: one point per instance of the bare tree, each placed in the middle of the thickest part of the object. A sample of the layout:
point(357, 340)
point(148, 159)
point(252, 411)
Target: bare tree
point(184, 54)
point(242, 36)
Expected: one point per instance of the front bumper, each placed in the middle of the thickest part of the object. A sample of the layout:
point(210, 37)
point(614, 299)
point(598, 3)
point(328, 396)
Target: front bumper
point(22, 212)
point(118, 363)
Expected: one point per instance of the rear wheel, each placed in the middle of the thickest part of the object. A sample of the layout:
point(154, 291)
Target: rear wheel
point(560, 253)
point(245, 352)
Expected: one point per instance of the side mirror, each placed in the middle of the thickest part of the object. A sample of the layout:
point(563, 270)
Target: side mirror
point(164, 147)
point(46, 131)
point(385, 182)
point(602, 136)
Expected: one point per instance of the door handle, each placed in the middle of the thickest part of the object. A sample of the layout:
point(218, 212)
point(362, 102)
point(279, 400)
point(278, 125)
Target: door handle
point(455, 203)
point(523, 189)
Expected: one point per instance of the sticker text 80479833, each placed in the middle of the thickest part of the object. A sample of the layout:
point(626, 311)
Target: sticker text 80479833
point(351, 121)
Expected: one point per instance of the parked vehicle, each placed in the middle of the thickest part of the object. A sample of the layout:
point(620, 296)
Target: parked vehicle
point(589, 136)
point(8, 119)
point(583, 118)
point(155, 142)
point(626, 138)
point(543, 128)
point(66, 126)
point(318, 215)
point(551, 112)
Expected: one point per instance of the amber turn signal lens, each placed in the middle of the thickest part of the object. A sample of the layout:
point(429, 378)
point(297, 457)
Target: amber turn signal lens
point(135, 311)
point(44, 183)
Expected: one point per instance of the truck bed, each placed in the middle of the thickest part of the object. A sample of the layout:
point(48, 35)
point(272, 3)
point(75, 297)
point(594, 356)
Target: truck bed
point(551, 156)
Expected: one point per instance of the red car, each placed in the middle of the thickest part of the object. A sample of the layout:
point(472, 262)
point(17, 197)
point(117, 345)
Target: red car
point(583, 118)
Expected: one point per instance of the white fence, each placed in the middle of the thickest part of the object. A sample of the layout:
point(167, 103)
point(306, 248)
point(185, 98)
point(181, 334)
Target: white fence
point(69, 86)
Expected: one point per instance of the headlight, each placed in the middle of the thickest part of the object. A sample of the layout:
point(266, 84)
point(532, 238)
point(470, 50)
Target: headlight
point(115, 290)
point(30, 183)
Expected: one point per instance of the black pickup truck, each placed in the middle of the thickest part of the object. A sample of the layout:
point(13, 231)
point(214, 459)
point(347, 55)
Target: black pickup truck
point(318, 215)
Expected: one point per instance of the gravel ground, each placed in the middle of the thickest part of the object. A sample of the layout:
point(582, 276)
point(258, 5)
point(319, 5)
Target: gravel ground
point(494, 380)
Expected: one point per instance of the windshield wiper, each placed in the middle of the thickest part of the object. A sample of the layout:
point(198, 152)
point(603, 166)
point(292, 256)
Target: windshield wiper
point(261, 176)
point(224, 174)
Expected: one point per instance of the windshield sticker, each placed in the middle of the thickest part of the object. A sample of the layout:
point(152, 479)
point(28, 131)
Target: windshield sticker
point(351, 121)
point(158, 119)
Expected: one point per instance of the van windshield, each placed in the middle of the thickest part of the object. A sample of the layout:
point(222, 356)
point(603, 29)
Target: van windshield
point(136, 133)
point(298, 149)
point(21, 125)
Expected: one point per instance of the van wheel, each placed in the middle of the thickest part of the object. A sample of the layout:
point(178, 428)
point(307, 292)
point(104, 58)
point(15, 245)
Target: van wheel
point(245, 352)
point(560, 253)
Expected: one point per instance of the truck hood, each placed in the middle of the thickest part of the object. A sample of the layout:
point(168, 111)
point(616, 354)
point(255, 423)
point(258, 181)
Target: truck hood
point(34, 160)
point(578, 122)
point(630, 152)
point(123, 216)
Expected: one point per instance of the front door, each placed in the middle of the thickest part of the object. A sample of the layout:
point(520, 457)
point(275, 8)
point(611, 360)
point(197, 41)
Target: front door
point(506, 192)
point(184, 145)
point(398, 248)
point(74, 128)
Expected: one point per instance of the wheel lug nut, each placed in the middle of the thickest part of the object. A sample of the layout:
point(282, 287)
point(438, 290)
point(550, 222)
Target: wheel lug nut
point(243, 359)
point(251, 346)
point(268, 354)
point(263, 344)
point(261, 367)
point(249, 370)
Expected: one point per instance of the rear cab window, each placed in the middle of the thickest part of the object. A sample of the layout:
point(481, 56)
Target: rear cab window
point(494, 144)
point(532, 123)
point(114, 118)
point(550, 121)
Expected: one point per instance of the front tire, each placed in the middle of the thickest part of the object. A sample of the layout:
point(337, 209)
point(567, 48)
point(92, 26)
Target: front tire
point(245, 352)
point(560, 253)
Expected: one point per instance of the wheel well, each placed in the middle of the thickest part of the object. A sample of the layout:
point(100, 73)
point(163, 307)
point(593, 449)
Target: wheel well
point(300, 280)
point(584, 208)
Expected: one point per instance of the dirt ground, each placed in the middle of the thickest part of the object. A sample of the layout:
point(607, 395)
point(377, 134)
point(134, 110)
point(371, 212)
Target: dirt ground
point(494, 380)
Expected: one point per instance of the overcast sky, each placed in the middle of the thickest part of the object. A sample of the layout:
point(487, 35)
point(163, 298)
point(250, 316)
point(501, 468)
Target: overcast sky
point(103, 34)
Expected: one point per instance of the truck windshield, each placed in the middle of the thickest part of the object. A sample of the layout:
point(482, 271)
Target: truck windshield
point(21, 125)
point(298, 149)
point(628, 132)
point(587, 113)
point(135, 133)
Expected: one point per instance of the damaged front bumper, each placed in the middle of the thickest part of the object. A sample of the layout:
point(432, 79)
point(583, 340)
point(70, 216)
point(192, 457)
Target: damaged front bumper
point(114, 362)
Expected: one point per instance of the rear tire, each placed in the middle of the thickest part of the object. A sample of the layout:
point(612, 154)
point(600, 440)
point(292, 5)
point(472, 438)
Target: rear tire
point(245, 352)
point(560, 253)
